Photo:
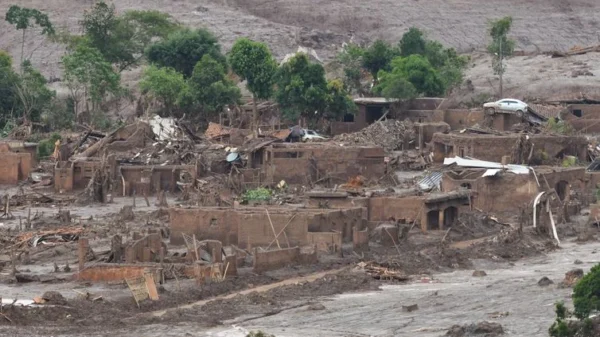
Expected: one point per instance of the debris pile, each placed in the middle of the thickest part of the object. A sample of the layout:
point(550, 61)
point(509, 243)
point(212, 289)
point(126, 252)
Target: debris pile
point(390, 134)
point(484, 329)
point(379, 272)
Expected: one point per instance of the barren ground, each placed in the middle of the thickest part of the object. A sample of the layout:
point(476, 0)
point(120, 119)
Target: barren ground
point(539, 26)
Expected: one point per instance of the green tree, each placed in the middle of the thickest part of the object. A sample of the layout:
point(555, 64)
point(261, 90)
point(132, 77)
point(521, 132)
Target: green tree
point(252, 61)
point(416, 70)
point(339, 101)
point(501, 46)
point(413, 42)
point(450, 65)
point(394, 85)
point(210, 88)
point(183, 49)
point(8, 97)
point(164, 84)
point(34, 95)
point(351, 58)
point(586, 294)
point(89, 77)
point(22, 18)
point(378, 57)
point(301, 88)
point(123, 39)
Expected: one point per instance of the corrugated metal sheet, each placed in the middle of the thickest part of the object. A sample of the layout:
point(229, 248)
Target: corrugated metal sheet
point(431, 181)
point(516, 169)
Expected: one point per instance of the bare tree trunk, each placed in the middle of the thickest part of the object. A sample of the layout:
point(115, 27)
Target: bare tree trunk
point(254, 114)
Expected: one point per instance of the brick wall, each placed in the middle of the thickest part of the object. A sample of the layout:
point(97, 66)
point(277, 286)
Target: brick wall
point(325, 241)
point(10, 168)
point(360, 239)
point(205, 223)
point(385, 208)
point(115, 272)
point(274, 259)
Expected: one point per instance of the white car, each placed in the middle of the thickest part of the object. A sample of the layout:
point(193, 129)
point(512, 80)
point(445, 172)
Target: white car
point(506, 105)
point(311, 135)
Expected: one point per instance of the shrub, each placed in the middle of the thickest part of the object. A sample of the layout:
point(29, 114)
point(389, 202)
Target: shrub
point(46, 146)
point(258, 194)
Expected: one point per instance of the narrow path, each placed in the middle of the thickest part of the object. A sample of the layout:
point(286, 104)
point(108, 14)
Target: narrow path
point(260, 289)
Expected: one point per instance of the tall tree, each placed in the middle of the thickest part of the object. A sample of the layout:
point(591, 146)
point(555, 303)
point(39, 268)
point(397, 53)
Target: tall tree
point(339, 102)
point(89, 77)
point(378, 57)
point(500, 47)
point(252, 61)
point(183, 49)
point(301, 88)
point(351, 58)
point(34, 95)
point(210, 88)
point(8, 79)
point(415, 70)
point(164, 84)
point(412, 42)
point(24, 18)
point(122, 39)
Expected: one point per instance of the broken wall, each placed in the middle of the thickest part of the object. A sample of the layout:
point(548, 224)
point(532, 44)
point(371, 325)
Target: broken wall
point(326, 241)
point(250, 227)
point(463, 118)
point(152, 179)
point(306, 163)
point(406, 209)
point(14, 168)
point(493, 148)
point(274, 259)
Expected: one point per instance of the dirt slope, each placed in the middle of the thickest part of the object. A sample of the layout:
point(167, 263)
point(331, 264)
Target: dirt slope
point(539, 25)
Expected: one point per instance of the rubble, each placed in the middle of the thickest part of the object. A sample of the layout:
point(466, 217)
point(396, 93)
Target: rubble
point(391, 134)
point(481, 329)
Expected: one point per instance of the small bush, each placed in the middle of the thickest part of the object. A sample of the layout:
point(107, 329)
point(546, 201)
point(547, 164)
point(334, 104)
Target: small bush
point(46, 146)
point(259, 194)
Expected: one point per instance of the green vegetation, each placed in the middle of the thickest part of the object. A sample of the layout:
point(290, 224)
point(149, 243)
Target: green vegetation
point(183, 49)
point(416, 67)
point(301, 89)
point(501, 46)
point(351, 58)
point(210, 89)
point(252, 61)
point(378, 57)
point(22, 18)
point(259, 194)
point(165, 85)
point(122, 39)
point(338, 100)
point(586, 300)
point(46, 146)
point(559, 126)
point(89, 78)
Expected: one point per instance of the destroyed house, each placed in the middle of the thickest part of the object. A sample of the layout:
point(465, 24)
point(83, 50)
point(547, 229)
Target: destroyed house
point(538, 148)
point(253, 227)
point(303, 163)
point(18, 160)
point(507, 192)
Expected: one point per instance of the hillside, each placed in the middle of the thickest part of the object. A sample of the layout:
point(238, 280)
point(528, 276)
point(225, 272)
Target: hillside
point(539, 25)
